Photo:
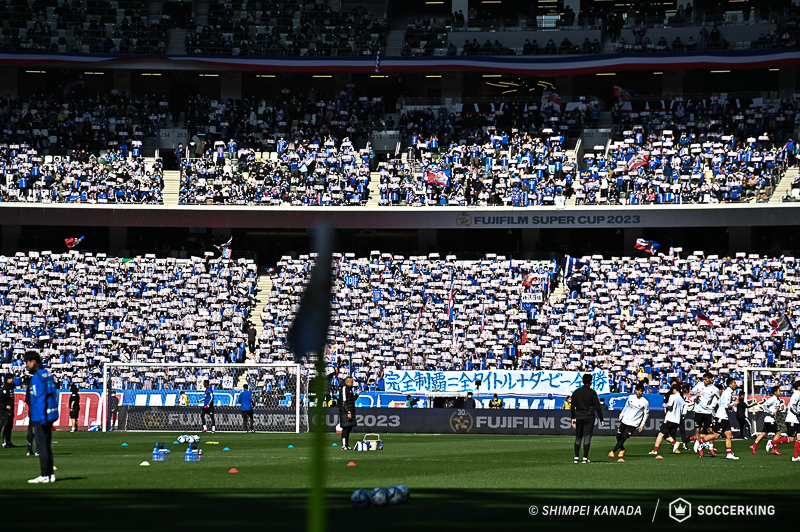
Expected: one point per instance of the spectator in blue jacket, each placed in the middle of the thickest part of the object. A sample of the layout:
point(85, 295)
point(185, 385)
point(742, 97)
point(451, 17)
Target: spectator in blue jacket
point(246, 402)
point(43, 412)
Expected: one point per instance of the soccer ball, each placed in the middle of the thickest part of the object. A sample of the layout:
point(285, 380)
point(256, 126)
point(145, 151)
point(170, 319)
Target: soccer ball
point(360, 499)
point(395, 495)
point(404, 493)
point(361, 446)
point(379, 497)
point(182, 439)
point(195, 438)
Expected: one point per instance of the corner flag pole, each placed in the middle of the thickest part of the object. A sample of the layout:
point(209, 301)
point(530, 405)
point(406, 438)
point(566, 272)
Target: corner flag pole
point(309, 334)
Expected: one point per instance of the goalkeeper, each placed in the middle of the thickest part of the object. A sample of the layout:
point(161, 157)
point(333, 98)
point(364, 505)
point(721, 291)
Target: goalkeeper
point(208, 408)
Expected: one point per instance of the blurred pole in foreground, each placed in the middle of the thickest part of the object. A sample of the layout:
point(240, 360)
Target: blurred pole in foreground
point(309, 334)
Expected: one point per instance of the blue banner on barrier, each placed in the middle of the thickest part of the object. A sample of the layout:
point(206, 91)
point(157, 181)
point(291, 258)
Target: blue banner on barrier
point(614, 401)
point(541, 382)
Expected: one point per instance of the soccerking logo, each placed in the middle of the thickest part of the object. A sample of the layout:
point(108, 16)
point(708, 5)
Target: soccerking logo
point(461, 421)
point(680, 510)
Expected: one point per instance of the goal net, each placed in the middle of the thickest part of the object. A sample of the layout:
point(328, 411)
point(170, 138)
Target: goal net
point(169, 397)
point(758, 385)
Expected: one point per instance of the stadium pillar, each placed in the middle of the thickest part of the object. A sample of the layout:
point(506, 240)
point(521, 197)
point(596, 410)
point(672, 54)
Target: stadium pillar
point(564, 83)
point(452, 85)
point(231, 86)
point(530, 237)
point(11, 236)
point(117, 238)
point(122, 81)
point(426, 238)
point(672, 83)
point(630, 234)
point(739, 238)
point(220, 234)
point(461, 5)
point(8, 82)
point(787, 81)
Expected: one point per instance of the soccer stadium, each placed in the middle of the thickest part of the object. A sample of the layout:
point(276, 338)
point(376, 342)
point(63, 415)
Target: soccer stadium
point(539, 260)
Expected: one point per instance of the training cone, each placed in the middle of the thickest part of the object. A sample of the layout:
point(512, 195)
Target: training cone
point(124, 445)
point(145, 463)
point(334, 445)
point(351, 464)
point(291, 447)
point(620, 460)
point(226, 449)
point(176, 443)
point(659, 457)
point(233, 470)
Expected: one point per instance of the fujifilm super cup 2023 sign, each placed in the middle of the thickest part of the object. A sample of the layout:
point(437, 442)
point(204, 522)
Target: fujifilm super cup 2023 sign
point(467, 220)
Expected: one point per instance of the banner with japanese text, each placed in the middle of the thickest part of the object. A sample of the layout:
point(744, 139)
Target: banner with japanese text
point(539, 382)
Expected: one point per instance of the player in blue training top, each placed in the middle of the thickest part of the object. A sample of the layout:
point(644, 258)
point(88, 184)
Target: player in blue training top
point(208, 408)
point(246, 401)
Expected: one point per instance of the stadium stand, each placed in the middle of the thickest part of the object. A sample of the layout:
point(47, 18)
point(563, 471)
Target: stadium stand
point(276, 28)
point(641, 170)
point(632, 315)
point(79, 178)
point(82, 309)
point(310, 174)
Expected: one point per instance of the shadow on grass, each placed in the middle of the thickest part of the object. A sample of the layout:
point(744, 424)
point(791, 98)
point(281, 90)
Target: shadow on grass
point(430, 509)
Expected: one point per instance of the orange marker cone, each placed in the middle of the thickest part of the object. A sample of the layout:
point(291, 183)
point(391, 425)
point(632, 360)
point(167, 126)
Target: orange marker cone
point(233, 470)
point(351, 464)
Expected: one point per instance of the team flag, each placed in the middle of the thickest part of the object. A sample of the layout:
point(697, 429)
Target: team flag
point(781, 325)
point(640, 159)
point(550, 95)
point(624, 94)
point(72, 242)
point(438, 178)
point(701, 316)
point(378, 62)
point(646, 245)
point(226, 249)
point(574, 265)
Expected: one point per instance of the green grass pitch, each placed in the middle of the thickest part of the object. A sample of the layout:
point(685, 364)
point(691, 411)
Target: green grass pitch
point(457, 482)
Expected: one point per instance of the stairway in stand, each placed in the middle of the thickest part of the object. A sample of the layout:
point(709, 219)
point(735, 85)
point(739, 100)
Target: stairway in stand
point(264, 291)
point(785, 185)
point(172, 187)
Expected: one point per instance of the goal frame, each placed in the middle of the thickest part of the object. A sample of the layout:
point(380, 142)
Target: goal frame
point(107, 365)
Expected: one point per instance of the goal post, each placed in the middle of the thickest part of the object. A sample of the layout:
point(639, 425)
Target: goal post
point(754, 378)
point(168, 397)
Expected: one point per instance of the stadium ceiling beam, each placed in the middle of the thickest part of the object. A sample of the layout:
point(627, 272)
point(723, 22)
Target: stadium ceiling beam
point(519, 65)
point(725, 215)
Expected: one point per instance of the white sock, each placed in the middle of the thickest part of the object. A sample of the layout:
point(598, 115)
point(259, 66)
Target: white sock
point(204, 427)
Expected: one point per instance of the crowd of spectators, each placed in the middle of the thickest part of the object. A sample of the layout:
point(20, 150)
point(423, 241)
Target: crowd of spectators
point(390, 311)
point(660, 169)
point(81, 177)
point(517, 171)
point(710, 117)
point(90, 27)
point(656, 317)
point(631, 316)
point(475, 123)
point(70, 119)
point(292, 115)
point(310, 173)
point(81, 310)
point(274, 28)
